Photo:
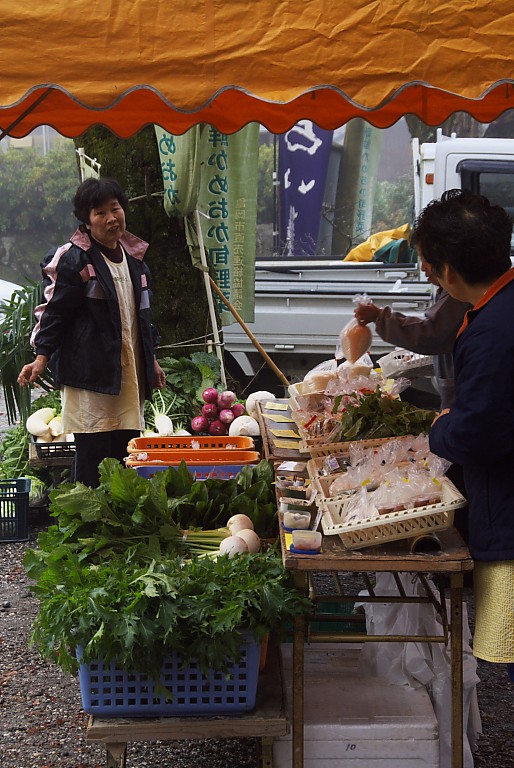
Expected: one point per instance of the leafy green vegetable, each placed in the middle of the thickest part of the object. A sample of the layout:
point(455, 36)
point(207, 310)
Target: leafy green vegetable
point(116, 576)
point(375, 416)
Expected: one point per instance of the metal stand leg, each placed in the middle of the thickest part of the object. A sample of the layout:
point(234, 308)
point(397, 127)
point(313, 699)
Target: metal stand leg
point(297, 740)
point(456, 586)
point(266, 750)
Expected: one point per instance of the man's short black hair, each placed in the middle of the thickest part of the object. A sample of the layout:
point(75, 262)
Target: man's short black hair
point(93, 193)
point(466, 232)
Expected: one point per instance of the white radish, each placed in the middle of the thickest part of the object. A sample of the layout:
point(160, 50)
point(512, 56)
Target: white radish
point(253, 541)
point(244, 425)
point(163, 424)
point(239, 522)
point(233, 545)
point(37, 422)
point(44, 438)
point(55, 426)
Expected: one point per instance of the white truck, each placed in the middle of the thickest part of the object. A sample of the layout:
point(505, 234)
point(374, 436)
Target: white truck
point(301, 305)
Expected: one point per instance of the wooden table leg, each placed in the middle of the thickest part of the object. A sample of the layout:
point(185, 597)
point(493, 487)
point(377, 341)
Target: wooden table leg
point(457, 725)
point(116, 755)
point(297, 732)
point(266, 752)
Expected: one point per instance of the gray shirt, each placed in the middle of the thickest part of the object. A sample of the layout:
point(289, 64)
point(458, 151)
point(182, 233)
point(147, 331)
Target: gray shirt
point(434, 334)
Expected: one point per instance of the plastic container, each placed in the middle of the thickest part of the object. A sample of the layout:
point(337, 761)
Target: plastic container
point(200, 471)
point(393, 526)
point(401, 362)
point(109, 691)
point(179, 442)
point(54, 450)
point(14, 509)
point(172, 458)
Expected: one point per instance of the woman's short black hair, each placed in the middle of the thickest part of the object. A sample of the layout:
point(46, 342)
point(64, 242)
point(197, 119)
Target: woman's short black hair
point(466, 232)
point(93, 193)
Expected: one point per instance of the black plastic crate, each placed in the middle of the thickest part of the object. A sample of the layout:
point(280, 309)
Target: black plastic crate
point(14, 509)
point(55, 450)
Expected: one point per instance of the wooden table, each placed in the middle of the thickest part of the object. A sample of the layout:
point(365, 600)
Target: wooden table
point(266, 721)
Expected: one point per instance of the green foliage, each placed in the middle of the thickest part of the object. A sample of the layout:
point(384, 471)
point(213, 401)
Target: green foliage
point(265, 212)
point(112, 575)
point(393, 205)
point(375, 416)
point(186, 380)
point(16, 324)
point(35, 203)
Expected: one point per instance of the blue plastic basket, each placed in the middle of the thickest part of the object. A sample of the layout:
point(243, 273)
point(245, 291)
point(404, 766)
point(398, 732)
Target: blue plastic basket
point(107, 690)
point(14, 509)
point(201, 472)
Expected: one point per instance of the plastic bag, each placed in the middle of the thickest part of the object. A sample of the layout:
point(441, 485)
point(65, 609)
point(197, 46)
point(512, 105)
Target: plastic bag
point(355, 339)
point(318, 378)
point(420, 663)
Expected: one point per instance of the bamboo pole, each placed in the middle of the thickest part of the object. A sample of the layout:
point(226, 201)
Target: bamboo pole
point(250, 335)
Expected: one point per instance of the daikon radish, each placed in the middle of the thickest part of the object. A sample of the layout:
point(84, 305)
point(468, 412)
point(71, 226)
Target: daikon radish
point(37, 422)
point(355, 340)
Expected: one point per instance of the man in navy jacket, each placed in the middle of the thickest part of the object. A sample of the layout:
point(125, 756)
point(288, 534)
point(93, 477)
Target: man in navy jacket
point(467, 243)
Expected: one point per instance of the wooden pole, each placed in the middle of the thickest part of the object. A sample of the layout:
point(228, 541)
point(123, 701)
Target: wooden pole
point(250, 335)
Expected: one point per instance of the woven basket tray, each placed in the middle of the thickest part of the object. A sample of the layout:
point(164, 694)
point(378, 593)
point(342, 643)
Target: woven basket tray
point(393, 526)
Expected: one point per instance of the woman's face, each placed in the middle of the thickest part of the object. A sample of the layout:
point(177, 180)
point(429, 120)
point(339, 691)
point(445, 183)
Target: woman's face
point(107, 223)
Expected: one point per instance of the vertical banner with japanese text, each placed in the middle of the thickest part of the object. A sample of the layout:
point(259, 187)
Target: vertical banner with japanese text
point(304, 152)
point(217, 173)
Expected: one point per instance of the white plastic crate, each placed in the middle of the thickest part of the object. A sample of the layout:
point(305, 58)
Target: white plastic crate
point(352, 721)
point(392, 526)
point(402, 362)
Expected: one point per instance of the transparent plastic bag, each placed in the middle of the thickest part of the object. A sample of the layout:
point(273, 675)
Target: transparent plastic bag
point(355, 339)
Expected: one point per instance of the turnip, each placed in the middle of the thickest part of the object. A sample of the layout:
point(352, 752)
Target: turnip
point(244, 425)
point(199, 424)
point(252, 399)
point(233, 545)
point(252, 540)
point(210, 411)
point(226, 399)
point(238, 409)
point(226, 416)
point(239, 522)
point(210, 395)
point(217, 428)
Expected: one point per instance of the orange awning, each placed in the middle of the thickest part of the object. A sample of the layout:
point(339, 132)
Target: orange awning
point(129, 63)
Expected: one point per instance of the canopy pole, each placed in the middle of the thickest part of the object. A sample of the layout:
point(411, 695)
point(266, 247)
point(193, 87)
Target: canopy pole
point(250, 335)
point(25, 113)
point(210, 300)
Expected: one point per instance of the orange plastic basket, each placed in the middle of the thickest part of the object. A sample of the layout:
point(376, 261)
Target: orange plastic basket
point(179, 442)
point(174, 457)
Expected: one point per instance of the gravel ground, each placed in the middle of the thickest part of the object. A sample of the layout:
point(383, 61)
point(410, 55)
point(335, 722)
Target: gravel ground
point(43, 725)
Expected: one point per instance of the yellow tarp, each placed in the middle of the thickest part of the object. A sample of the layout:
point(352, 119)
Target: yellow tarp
point(366, 250)
point(128, 63)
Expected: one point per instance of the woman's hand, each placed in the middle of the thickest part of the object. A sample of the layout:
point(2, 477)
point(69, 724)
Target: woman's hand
point(367, 313)
point(30, 372)
point(443, 413)
point(158, 375)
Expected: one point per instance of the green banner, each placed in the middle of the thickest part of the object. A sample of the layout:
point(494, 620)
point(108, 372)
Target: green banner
point(217, 174)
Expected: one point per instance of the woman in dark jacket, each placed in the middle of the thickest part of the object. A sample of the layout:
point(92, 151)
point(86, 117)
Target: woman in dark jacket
point(467, 243)
point(95, 329)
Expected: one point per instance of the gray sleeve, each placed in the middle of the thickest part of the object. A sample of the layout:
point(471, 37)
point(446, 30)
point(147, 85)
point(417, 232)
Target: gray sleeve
point(432, 334)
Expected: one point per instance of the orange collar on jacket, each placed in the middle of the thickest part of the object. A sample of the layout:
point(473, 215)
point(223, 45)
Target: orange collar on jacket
point(502, 281)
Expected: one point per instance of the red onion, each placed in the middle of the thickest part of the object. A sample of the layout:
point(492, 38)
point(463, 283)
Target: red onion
point(210, 411)
point(217, 428)
point(226, 415)
point(199, 424)
point(238, 409)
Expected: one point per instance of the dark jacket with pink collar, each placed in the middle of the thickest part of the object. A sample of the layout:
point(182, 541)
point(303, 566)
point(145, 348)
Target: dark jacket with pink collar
point(79, 325)
point(478, 432)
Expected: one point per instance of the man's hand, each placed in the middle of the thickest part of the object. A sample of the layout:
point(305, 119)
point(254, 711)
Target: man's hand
point(30, 372)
